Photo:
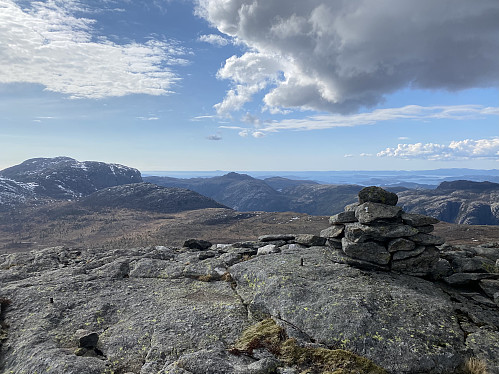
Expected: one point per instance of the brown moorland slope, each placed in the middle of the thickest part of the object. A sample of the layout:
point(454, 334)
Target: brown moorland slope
point(71, 225)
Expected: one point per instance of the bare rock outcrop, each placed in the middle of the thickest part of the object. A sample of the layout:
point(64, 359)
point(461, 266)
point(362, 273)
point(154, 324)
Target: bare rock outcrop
point(278, 304)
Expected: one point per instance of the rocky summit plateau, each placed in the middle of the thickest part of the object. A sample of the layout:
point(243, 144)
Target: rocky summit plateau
point(375, 292)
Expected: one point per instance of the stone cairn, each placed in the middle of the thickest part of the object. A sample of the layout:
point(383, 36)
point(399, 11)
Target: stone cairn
point(376, 234)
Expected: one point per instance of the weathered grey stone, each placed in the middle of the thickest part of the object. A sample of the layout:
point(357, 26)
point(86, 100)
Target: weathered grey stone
point(337, 255)
point(343, 217)
point(418, 220)
point(334, 243)
point(441, 269)
point(80, 351)
point(426, 229)
point(490, 253)
point(333, 231)
point(368, 251)
point(206, 254)
point(484, 344)
point(371, 313)
point(467, 278)
point(476, 264)
point(359, 233)
point(268, 249)
point(489, 286)
point(292, 246)
point(230, 259)
point(197, 244)
point(86, 339)
point(208, 270)
point(371, 212)
point(351, 207)
point(401, 255)
point(309, 240)
point(116, 269)
point(277, 243)
point(378, 195)
point(421, 265)
point(247, 244)
point(264, 366)
point(475, 296)
point(427, 239)
point(400, 244)
point(210, 361)
point(173, 314)
point(270, 238)
point(152, 268)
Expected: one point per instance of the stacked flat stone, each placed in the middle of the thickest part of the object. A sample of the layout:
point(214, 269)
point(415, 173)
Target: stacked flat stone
point(376, 233)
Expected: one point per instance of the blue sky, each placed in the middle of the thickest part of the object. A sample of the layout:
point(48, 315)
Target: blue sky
point(251, 84)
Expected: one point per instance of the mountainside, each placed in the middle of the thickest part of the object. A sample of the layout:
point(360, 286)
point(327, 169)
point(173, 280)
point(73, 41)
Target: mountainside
point(280, 183)
point(237, 191)
point(321, 199)
point(66, 178)
point(463, 202)
point(13, 193)
point(149, 197)
point(40, 180)
point(244, 193)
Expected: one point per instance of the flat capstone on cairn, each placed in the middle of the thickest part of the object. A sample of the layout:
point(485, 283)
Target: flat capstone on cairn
point(376, 234)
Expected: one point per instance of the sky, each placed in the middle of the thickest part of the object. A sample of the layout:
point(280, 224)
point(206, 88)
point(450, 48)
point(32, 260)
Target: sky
point(241, 85)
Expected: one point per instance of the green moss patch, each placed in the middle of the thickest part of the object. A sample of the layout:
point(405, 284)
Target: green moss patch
point(268, 335)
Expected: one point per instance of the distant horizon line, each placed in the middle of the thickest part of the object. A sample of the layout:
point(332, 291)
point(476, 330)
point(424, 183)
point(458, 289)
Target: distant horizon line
point(308, 171)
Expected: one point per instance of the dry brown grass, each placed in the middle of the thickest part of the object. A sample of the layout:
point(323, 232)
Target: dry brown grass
point(475, 366)
point(122, 228)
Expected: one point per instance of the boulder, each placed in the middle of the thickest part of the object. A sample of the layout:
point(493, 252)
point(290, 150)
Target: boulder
point(351, 207)
point(270, 238)
point(441, 269)
point(197, 244)
point(369, 212)
point(359, 233)
point(268, 249)
point(309, 240)
point(343, 217)
point(401, 244)
point(426, 229)
point(369, 251)
point(408, 254)
point(427, 239)
point(418, 220)
point(475, 264)
point(86, 339)
point(489, 286)
point(333, 231)
point(375, 194)
point(421, 265)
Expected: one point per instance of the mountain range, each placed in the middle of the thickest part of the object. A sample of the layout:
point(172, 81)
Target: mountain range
point(97, 185)
point(463, 202)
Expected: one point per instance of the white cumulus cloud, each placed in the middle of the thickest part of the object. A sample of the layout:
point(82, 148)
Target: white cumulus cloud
point(340, 56)
point(214, 39)
point(456, 150)
point(46, 44)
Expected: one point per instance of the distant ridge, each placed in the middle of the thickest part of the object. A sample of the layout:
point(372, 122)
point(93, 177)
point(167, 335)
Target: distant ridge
point(149, 197)
point(469, 186)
